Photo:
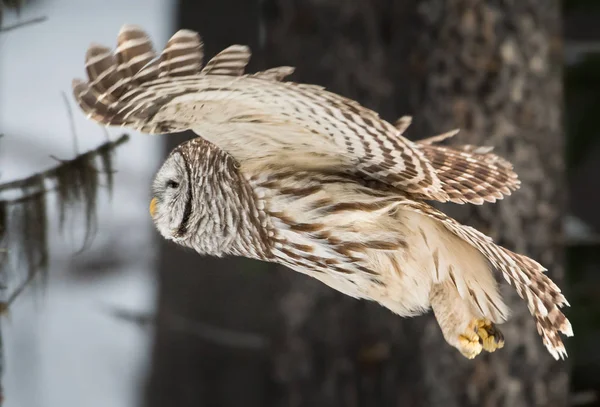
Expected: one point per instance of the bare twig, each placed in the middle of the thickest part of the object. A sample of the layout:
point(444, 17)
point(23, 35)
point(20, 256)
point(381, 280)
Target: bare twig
point(71, 123)
point(217, 335)
point(208, 332)
point(5, 305)
point(25, 23)
point(583, 398)
point(106, 135)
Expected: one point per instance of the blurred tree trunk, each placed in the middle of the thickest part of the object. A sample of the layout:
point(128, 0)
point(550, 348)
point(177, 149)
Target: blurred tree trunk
point(488, 67)
point(491, 68)
point(193, 363)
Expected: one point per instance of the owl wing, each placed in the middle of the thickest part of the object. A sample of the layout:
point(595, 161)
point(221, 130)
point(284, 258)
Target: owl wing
point(469, 174)
point(544, 298)
point(133, 87)
point(308, 126)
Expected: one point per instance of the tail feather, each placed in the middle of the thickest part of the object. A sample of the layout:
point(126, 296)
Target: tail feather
point(543, 297)
point(544, 300)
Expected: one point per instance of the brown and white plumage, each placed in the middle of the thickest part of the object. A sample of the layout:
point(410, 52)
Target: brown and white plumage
point(294, 174)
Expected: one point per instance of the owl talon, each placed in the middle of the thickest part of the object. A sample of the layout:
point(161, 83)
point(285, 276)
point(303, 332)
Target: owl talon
point(469, 345)
point(491, 338)
point(481, 334)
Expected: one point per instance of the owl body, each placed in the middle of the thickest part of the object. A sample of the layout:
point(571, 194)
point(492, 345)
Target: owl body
point(361, 241)
point(351, 236)
point(293, 174)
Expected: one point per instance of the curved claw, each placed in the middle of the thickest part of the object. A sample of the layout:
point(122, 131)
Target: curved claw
point(481, 334)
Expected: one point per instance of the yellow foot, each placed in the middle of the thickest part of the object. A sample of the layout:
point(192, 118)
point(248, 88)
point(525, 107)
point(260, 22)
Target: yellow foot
point(491, 338)
point(469, 345)
point(481, 334)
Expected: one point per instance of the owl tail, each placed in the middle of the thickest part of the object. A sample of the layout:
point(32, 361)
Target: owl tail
point(543, 297)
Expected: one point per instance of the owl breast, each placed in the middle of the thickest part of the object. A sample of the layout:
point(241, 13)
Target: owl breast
point(348, 236)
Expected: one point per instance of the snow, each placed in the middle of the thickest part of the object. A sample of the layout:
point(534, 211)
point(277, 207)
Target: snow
point(61, 346)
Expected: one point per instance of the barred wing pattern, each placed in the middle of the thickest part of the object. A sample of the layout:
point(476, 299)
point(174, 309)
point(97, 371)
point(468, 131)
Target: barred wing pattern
point(544, 298)
point(274, 127)
point(309, 209)
point(257, 116)
point(469, 174)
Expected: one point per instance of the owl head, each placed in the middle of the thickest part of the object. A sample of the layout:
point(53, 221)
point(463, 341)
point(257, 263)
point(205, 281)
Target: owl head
point(200, 200)
point(172, 195)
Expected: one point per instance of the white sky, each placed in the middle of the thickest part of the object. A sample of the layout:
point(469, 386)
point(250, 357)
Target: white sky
point(61, 347)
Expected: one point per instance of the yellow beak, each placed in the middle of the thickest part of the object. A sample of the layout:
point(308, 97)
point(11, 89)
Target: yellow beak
point(152, 207)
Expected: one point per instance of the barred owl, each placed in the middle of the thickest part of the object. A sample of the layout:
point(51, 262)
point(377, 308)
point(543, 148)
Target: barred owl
point(293, 174)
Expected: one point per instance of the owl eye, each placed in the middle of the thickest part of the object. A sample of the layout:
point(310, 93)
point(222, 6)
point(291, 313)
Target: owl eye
point(172, 184)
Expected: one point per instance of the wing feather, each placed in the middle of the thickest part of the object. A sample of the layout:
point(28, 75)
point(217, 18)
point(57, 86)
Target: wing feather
point(247, 115)
point(231, 61)
point(469, 174)
point(544, 298)
point(471, 177)
point(278, 73)
point(183, 55)
point(134, 51)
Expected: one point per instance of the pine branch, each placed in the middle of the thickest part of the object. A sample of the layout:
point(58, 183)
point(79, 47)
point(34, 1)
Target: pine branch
point(23, 220)
point(16, 5)
point(22, 24)
point(55, 171)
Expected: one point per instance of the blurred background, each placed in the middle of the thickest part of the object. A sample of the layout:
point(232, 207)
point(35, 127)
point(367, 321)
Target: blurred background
point(132, 320)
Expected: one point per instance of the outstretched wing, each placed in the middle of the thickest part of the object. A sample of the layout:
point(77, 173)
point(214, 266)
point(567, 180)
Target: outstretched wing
point(544, 298)
point(249, 116)
point(469, 174)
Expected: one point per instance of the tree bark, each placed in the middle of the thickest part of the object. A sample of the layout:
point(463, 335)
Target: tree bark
point(210, 344)
point(491, 68)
